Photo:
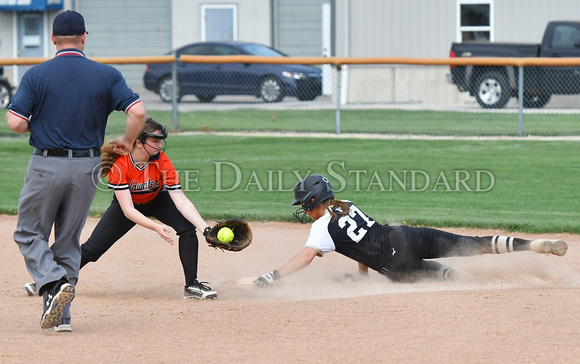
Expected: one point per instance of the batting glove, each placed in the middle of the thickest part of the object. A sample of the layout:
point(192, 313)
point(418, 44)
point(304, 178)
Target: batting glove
point(267, 279)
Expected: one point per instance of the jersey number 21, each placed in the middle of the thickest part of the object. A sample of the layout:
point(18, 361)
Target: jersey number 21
point(358, 224)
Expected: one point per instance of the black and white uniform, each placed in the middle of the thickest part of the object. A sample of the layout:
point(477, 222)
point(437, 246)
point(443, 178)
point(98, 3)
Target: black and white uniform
point(399, 252)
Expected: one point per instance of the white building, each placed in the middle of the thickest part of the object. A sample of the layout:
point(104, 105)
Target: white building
point(342, 28)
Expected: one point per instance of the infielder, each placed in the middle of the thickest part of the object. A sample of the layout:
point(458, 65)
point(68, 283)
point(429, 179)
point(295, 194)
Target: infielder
point(398, 252)
point(145, 183)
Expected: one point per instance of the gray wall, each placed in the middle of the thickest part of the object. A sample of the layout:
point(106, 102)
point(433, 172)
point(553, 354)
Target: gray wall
point(127, 28)
point(5, 35)
point(407, 28)
point(426, 28)
point(525, 20)
point(410, 28)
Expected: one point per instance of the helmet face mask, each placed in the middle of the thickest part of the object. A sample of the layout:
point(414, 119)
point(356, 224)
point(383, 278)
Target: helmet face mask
point(309, 193)
point(160, 135)
point(302, 216)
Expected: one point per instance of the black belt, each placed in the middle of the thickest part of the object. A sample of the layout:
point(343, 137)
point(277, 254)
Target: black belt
point(68, 153)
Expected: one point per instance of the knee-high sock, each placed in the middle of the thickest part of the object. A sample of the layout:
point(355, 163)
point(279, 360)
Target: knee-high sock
point(506, 244)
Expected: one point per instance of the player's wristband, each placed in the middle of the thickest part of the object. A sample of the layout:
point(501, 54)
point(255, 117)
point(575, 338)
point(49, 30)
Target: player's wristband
point(275, 274)
point(206, 230)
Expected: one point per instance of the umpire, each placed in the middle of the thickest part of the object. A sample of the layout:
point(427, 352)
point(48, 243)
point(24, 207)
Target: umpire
point(64, 103)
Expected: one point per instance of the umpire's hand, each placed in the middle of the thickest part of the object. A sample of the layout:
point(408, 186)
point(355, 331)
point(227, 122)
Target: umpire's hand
point(122, 145)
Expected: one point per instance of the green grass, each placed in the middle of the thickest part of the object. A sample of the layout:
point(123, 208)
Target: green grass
point(362, 121)
point(380, 121)
point(535, 183)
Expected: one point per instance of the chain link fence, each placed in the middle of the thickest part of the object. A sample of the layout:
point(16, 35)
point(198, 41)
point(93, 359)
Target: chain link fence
point(391, 98)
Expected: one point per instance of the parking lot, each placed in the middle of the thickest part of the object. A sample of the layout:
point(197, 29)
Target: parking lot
point(567, 104)
point(224, 102)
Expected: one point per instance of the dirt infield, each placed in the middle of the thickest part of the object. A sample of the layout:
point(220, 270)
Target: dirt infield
point(520, 307)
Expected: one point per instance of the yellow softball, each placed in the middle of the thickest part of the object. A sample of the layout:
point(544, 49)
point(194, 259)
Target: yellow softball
point(225, 235)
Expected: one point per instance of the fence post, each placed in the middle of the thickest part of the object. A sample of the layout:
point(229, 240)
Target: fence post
point(338, 97)
point(521, 101)
point(174, 96)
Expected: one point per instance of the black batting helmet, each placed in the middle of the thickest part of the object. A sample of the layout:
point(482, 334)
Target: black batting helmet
point(311, 191)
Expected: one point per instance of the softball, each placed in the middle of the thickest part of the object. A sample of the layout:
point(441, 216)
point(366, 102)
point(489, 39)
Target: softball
point(225, 235)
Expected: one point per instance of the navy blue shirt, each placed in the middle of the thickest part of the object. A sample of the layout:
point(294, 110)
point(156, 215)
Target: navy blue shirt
point(68, 99)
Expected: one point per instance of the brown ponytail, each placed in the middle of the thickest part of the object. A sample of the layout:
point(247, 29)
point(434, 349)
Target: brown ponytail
point(108, 154)
point(343, 206)
point(108, 157)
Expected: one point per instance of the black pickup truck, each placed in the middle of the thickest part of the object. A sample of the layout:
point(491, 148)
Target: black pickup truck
point(5, 90)
point(493, 86)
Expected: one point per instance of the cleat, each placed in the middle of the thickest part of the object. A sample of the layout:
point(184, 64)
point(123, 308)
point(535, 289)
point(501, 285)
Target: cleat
point(30, 288)
point(54, 302)
point(199, 291)
point(545, 246)
point(446, 273)
point(63, 325)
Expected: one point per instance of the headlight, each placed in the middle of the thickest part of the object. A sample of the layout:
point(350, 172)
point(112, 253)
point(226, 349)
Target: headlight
point(294, 75)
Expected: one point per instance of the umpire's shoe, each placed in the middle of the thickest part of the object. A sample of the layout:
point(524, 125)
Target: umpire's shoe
point(199, 291)
point(30, 288)
point(63, 325)
point(54, 301)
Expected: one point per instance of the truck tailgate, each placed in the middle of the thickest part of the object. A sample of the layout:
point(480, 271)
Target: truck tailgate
point(481, 49)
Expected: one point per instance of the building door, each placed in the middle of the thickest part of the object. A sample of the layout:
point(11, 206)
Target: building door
point(30, 42)
point(299, 27)
point(304, 29)
point(219, 22)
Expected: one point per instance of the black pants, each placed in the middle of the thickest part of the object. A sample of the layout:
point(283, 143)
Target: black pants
point(410, 246)
point(113, 225)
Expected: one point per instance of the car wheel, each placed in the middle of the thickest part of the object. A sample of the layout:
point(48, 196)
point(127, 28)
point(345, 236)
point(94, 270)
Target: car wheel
point(492, 90)
point(271, 90)
point(165, 89)
point(5, 95)
point(205, 98)
point(534, 101)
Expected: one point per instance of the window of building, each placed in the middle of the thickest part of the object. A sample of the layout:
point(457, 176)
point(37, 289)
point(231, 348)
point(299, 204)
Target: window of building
point(219, 22)
point(475, 20)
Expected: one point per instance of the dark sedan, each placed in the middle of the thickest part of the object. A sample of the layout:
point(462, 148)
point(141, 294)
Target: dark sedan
point(206, 80)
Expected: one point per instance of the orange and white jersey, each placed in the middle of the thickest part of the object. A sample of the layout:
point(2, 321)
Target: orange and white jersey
point(145, 182)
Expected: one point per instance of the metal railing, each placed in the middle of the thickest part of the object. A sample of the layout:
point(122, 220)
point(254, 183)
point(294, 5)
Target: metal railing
point(449, 96)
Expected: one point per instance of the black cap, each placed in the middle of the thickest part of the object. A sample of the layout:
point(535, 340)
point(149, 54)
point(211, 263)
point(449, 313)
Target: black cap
point(69, 23)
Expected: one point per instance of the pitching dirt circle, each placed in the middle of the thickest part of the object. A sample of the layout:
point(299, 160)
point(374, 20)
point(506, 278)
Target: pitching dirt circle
point(520, 307)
